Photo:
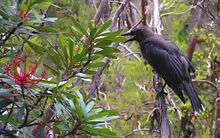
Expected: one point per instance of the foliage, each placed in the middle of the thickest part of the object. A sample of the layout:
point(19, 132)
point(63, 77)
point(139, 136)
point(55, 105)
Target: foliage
point(53, 104)
point(46, 93)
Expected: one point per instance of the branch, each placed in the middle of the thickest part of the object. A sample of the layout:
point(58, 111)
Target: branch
point(143, 4)
point(102, 12)
point(165, 130)
point(138, 130)
point(96, 79)
point(183, 12)
point(118, 12)
point(8, 34)
point(130, 51)
point(26, 108)
point(206, 81)
point(175, 107)
point(197, 16)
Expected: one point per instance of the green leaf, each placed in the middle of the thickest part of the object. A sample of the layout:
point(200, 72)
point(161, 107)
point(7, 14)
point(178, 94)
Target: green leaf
point(96, 65)
point(69, 95)
point(108, 51)
point(89, 106)
point(82, 103)
point(43, 5)
point(63, 45)
point(112, 34)
point(103, 27)
point(54, 71)
point(23, 7)
point(11, 120)
point(76, 33)
point(103, 43)
point(100, 113)
point(70, 46)
point(46, 29)
point(11, 83)
point(54, 57)
point(79, 28)
point(4, 15)
point(103, 132)
point(119, 39)
point(51, 19)
point(38, 49)
point(103, 119)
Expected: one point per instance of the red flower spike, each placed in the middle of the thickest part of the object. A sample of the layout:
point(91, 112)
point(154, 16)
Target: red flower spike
point(26, 76)
point(23, 15)
point(7, 69)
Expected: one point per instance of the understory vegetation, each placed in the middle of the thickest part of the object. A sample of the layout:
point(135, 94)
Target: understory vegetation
point(65, 70)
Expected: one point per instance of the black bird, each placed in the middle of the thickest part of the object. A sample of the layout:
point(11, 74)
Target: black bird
point(167, 60)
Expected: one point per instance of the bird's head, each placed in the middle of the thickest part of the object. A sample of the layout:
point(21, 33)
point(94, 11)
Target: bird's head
point(138, 34)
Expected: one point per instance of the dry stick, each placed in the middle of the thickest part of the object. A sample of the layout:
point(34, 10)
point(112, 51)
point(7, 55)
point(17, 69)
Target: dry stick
point(199, 19)
point(96, 78)
point(217, 116)
point(103, 7)
point(8, 34)
point(26, 108)
point(130, 52)
point(143, 4)
point(118, 12)
point(206, 81)
point(138, 130)
point(165, 130)
point(175, 107)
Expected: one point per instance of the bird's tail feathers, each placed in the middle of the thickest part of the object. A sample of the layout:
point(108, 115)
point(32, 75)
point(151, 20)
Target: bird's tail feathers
point(193, 97)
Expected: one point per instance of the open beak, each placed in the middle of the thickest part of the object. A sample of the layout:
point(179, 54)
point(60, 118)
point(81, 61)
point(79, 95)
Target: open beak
point(129, 34)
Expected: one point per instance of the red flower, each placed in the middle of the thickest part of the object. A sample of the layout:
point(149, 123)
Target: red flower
point(23, 77)
point(23, 15)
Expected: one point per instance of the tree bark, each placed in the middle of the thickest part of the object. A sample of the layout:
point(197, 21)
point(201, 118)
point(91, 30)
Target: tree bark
point(197, 19)
point(103, 11)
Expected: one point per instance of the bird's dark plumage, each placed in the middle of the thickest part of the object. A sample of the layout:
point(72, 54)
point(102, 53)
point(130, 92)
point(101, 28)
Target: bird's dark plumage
point(168, 62)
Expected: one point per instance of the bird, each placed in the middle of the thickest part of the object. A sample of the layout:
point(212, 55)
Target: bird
point(168, 62)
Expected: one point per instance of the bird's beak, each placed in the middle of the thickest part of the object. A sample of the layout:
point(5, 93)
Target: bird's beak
point(128, 34)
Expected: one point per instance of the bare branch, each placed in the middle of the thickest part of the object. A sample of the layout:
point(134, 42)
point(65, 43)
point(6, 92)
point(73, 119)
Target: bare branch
point(165, 130)
point(130, 51)
point(197, 17)
point(206, 81)
point(96, 79)
point(103, 11)
point(118, 12)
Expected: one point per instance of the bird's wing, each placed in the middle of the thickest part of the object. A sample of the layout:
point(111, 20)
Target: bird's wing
point(173, 57)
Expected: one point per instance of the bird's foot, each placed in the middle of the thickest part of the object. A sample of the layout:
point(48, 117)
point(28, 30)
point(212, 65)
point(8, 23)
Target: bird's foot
point(161, 93)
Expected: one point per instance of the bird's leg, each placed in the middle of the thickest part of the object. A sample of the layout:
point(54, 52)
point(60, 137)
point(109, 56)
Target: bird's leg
point(161, 92)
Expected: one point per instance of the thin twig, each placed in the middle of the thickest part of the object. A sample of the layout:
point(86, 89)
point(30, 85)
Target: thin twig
point(130, 51)
point(12, 31)
point(25, 106)
point(118, 13)
point(138, 130)
point(207, 82)
point(165, 130)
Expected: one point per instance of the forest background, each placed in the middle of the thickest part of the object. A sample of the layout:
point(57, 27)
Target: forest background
point(66, 72)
